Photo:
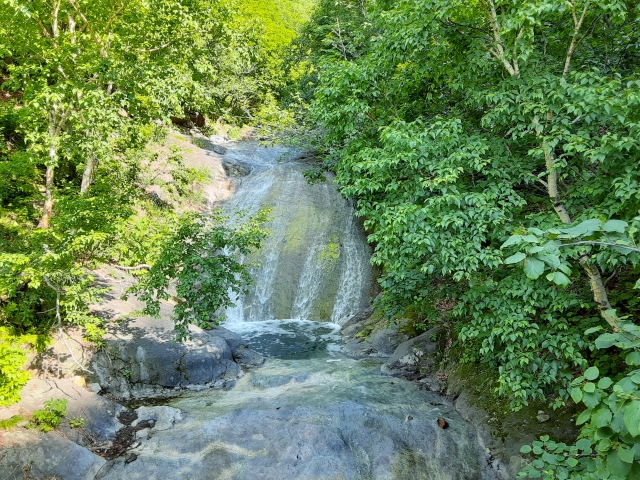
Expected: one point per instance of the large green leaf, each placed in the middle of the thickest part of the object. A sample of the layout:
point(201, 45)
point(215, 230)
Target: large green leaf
point(515, 258)
point(615, 226)
point(583, 229)
point(534, 268)
point(632, 417)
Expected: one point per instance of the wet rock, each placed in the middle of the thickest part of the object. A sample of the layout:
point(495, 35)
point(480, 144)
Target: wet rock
point(232, 167)
point(414, 355)
point(147, 363)
point(246, 357)
point(163, 417)
point(381, 344)
point(354, 325)
point(325, 424)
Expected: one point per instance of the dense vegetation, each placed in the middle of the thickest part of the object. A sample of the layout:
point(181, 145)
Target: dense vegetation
point(87, 92)
point(493, 147)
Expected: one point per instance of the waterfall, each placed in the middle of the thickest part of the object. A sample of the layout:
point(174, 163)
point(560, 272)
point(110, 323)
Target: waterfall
point(314, 265)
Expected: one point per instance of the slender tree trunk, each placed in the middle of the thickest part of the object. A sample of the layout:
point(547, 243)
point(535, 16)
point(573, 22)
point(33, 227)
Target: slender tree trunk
point(593, 272)
point(48, 198)
point(88, 174)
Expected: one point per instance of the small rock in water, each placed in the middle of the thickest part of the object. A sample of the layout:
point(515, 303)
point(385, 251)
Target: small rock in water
point(543, 417)
point(132, 457)
point(409, 417)
point(442, 423)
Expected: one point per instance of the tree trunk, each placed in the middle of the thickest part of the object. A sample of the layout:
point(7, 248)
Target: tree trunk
point(88, 174)
point(48, 201)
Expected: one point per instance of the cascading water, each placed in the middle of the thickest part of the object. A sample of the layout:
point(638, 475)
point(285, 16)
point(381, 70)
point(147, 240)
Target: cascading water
point(310, 413)
point(315, 263)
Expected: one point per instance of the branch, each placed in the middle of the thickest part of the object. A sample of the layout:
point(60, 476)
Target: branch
point(56, 289)
point(587, 242)
point(142, 266)
point(574, 41)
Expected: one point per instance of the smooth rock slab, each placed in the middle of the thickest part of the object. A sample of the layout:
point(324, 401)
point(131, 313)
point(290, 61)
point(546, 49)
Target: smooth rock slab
point(335, 421)
point(50, 455)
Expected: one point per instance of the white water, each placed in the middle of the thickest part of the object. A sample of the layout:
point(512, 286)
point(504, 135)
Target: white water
point(315, 263)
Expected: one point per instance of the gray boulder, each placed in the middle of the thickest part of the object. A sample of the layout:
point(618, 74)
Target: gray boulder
point(46, 456)
point(235, 168)
point(382, 343)
point(147, 363)
point(417, 355)
point(247, 358)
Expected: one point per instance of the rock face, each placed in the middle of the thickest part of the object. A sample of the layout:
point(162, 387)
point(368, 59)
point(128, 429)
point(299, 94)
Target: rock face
point(50, 455)
point(146, 363)
point(382, 343)
point(417, 355)
point(61, 453)
point(336, 421)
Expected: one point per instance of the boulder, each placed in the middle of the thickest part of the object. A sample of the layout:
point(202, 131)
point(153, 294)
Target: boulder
point(162, 418)
point(232, 167)
point(382, 343)
point(147, 363)
point(354, 325)
point(246, 357)
point(31, 454)
point(416, 355)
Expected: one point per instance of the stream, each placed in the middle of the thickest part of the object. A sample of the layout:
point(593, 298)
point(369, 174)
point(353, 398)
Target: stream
point(310, 412)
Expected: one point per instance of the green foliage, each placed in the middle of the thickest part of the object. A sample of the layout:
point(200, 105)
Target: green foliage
point(50, 416)
point(11, 422)
point(12, 358)
point(84, 89)
point(499, 149)
point(201, 256)
point(76, 422)
point(609, 445)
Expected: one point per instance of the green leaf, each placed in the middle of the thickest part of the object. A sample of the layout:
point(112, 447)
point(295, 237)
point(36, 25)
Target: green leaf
point(615, 226)
point(625, 454)
point(606, 340)
point(589, 387)
point(591, 373)
point(525, 449)
point(576, 394)
point(512, 240)
point(591, 400)
point(616, 466)
point(632, 417)
point(583, 229)
point(534, 268)
point(602, 417)
point(633, 358)
point(558, 278)
point(515, 258)
point(604, 383)
point(550, 259)
point(584, 444)
point(584, 417)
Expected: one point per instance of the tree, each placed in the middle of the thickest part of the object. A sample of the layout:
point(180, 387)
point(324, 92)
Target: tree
point(493, 146)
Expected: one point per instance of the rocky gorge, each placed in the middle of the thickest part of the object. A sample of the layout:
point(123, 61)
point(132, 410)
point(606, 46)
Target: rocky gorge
point(285, 387)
